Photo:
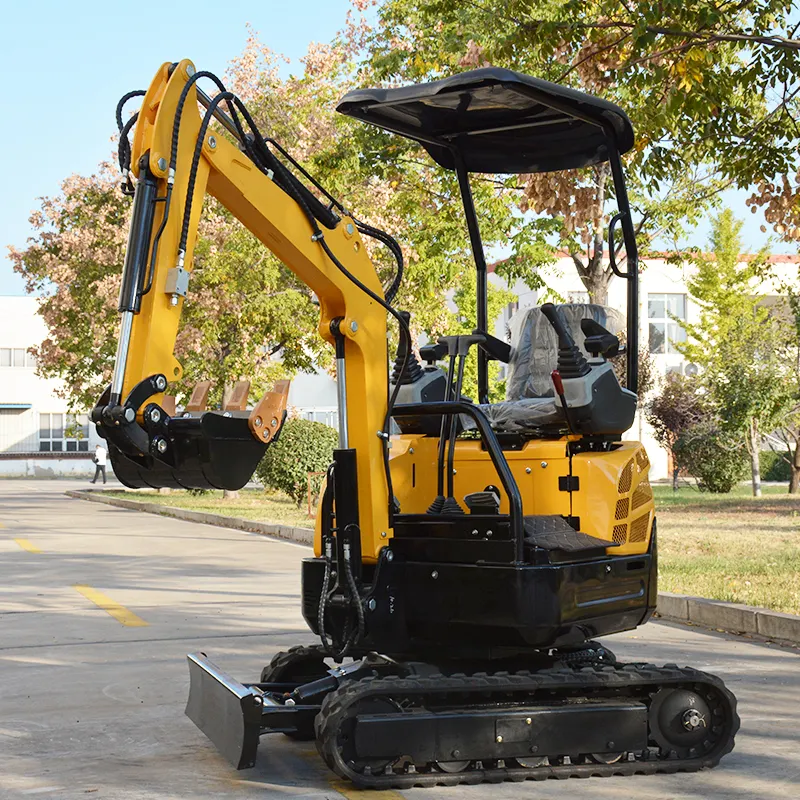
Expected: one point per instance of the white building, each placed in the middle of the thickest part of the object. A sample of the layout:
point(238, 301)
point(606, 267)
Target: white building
point(37, 436)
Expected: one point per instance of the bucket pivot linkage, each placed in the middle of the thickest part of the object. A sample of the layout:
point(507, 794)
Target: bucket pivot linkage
point(152, 446)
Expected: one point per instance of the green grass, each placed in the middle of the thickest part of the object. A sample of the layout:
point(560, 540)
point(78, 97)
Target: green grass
point(733, 547)
point(254, 504)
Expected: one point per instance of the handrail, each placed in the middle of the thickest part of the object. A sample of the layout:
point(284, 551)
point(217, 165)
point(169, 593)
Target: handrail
point(492, 447)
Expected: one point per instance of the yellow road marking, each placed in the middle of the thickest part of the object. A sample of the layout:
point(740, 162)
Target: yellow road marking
point(1, 525)
point(112, 607)
point(351, 793)
point(26, 545)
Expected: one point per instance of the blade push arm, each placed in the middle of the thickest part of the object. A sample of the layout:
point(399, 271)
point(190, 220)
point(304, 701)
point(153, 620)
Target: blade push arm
point(157, 269)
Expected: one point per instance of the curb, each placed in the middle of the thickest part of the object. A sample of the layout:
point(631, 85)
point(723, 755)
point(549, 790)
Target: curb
point(730, 617)
point(298, 535)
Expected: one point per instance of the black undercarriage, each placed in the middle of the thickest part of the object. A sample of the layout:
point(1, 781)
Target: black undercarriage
point(382, 723)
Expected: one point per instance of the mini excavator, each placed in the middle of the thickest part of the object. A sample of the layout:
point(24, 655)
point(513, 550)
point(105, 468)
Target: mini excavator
point(467, 554)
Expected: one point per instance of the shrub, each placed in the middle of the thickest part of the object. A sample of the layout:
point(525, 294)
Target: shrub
point(712, 457)
point(302, 447)
point(774, 467)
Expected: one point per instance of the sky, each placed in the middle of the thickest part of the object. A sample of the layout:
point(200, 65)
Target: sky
point(67, 64)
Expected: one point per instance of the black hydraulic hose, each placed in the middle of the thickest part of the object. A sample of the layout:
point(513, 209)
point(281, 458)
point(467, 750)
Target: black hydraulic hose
point(451, 367)
point(121, 104)
point(394, 248)
point(451, 437)
point(187, 211)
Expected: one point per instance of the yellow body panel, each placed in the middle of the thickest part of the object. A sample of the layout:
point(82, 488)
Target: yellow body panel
point(536, 467)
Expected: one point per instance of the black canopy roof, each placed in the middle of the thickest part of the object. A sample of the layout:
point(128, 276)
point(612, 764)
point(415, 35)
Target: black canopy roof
point(499, 120)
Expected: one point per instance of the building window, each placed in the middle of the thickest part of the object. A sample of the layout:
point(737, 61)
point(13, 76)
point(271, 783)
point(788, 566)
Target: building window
point(662, 312)
point(16, 357)
point(60, 432)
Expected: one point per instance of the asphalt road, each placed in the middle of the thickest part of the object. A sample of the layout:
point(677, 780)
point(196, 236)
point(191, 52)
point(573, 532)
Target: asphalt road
point(91, 702)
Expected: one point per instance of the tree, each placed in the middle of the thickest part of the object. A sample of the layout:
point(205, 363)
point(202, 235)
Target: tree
point(247, 316)
point(678, 406)
point(739, 345)
point(692, 76)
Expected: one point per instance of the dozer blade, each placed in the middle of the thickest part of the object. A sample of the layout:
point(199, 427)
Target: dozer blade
point(226, 711)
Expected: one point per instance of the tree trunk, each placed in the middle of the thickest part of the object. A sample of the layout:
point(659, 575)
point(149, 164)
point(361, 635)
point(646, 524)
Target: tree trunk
point(230, 494)
point(755, 456)
point(675, 471)
point(794, 464)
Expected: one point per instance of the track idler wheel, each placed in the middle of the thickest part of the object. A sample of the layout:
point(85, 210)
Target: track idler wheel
point(681, 722)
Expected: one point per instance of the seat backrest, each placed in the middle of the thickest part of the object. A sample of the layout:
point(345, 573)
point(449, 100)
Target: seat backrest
point(534, 346)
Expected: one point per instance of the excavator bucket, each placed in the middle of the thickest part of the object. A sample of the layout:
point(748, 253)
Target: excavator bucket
point(198, 448)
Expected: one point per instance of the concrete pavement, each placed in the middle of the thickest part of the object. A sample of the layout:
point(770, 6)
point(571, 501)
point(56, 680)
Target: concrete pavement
point(91, 700)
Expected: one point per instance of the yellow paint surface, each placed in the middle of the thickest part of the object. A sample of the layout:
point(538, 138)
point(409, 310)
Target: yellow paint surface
point(26, 545)
point(121, 614)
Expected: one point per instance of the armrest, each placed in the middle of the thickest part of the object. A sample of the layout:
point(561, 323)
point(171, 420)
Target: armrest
point(495, 348)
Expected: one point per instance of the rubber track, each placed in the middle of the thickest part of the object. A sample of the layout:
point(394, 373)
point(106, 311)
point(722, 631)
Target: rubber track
point(631, 676)
point(286, 659)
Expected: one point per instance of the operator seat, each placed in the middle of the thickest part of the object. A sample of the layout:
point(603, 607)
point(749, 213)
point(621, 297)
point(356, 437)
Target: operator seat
point(530, 402)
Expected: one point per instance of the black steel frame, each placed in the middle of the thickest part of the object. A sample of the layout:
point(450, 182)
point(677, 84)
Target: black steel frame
point(631, 275)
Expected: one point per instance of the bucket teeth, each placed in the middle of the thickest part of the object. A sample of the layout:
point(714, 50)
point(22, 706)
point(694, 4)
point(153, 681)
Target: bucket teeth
point(237, 399)
point(199, 398)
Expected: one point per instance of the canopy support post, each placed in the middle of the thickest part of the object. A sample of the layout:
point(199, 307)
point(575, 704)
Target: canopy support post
point(481, 277)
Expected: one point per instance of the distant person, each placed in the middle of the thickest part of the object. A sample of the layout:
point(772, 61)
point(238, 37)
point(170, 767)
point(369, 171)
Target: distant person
point(99, 459)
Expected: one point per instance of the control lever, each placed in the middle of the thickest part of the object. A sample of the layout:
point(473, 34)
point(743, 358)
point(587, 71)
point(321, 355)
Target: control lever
point(571, 362)
point(599, 341)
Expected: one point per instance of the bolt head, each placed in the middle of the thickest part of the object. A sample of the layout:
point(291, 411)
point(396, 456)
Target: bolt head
point(372, 605)
point(155, 415)
point(498, 739)
point(535, 749)
point(350, 229)
point(411, 450)
point(227, 414)
point(353, 326)
point(544, 465)
point(265, 434)
point(190, 70)
point(212, 142)
point(383, 534)
point(161, 445)
point(475, 532)
point(435, 574)
point(528, 720)
point(274, 422)
point(162, 163)
point(130, 415)
point(173, 300)
point(257, 422)
point(610, 745)
point(161, 383)
point(456, 753)
point(488, 534)
point(527, 470)
point(389, 555)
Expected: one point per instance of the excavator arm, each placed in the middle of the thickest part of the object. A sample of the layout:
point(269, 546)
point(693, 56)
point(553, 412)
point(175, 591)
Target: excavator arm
point(178, 158)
